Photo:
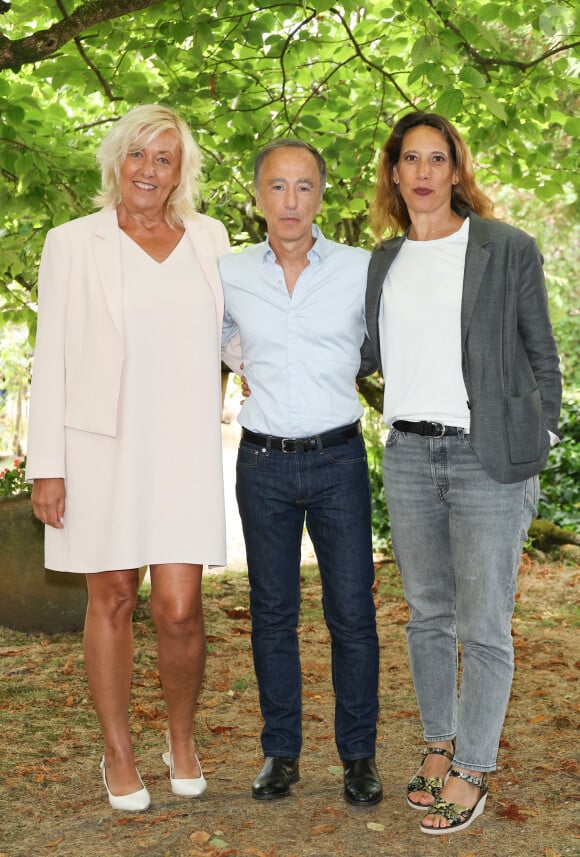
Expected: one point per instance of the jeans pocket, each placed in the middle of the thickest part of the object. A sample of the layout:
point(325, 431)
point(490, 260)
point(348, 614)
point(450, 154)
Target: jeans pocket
point(352, 452)
point(248, 456)
point(392, 437)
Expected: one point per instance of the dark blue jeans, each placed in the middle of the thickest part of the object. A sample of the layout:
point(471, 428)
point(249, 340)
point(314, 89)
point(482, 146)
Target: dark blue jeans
point(329, 488)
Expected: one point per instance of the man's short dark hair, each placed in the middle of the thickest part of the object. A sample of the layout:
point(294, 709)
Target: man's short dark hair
point(290, 143)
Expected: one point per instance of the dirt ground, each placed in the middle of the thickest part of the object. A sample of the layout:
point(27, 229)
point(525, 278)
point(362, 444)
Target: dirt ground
point(52, 801)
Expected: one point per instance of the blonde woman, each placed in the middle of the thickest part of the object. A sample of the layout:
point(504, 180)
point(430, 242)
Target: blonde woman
point(124, 445)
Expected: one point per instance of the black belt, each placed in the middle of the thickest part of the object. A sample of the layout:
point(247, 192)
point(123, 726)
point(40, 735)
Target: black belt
point(427, 429)
point(336, 437)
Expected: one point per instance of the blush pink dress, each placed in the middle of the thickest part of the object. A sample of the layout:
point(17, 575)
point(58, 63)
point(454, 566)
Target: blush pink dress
point(154, 493)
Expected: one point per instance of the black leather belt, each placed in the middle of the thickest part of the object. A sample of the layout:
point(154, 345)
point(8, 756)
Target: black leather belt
point(426, 429)
point(336, 437)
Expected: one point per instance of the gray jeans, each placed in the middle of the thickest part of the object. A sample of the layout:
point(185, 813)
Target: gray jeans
point(458, 536)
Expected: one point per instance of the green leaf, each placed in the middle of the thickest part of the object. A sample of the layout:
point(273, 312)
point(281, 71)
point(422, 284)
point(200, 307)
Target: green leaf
point(310, 121)
point(548, 190)
point(472, 76)
point(421, 50)
point(510, 17)
point(572, 126)
point(493, 105)
point(489, 12)
point(450, 103)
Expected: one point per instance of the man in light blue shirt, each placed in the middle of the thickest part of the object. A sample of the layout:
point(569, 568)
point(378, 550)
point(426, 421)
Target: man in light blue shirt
point(297, 303)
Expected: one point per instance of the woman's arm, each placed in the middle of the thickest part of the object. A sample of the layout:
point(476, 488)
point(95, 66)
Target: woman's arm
point(535, 330)
point(46, 448)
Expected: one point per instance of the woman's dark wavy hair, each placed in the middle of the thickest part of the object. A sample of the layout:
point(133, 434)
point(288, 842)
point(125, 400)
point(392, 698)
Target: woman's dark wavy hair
point(389, 212)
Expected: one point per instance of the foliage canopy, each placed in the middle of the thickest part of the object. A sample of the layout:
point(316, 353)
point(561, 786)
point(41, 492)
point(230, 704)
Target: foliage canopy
point(338, 74)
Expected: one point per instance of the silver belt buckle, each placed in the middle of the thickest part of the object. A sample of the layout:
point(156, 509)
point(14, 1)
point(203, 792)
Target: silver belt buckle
point(441, 428)
point(286, 440)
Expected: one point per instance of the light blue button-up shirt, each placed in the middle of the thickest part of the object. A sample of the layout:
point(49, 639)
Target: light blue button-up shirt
point(302, 352)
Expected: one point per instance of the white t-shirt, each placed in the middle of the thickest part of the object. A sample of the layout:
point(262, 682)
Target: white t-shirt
point(420, 330)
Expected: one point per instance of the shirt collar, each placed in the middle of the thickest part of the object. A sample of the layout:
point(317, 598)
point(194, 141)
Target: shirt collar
point(318, 251)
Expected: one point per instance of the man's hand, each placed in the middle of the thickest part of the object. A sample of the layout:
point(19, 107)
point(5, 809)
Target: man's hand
point(245, 388)
point(48, 501)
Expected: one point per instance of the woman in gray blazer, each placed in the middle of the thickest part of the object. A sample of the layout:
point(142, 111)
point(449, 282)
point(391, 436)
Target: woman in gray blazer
point(458, 318)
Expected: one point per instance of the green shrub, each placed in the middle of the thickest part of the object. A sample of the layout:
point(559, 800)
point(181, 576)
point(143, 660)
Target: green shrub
point(13, 480)
point(560, 481)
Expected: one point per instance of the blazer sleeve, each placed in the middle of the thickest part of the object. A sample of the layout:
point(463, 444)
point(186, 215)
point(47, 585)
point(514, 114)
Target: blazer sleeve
point(46, 443)
point(536, 332)
point(368, 360)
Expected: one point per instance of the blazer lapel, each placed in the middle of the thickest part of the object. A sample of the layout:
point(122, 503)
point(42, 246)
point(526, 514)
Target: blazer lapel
point(108, 262)
point(476, 259)
point(381, 261)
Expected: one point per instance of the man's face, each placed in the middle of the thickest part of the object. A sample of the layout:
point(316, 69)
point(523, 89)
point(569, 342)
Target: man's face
point(289, 194)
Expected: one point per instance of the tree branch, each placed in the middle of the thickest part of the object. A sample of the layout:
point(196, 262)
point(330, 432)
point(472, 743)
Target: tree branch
point(81, 49)
point(15, 54)
point(368, 62)
point(496, 62)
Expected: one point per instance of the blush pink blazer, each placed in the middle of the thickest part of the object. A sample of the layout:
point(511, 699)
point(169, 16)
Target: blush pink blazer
point(79, 350)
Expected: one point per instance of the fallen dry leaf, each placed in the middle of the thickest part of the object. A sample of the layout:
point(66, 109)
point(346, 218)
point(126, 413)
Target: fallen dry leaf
point(322, 829)
point(511, 811)
point(236, 612)
point(199, 837)
point(334, 813)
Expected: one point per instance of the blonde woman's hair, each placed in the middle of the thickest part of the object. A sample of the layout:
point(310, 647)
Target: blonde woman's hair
point(389, 211)
point(136, 129)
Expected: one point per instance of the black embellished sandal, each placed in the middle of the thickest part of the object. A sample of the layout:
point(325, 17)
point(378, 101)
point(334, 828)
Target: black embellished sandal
point(431, 785)
point(459, 817)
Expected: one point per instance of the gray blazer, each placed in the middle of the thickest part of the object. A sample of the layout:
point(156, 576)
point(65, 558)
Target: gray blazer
point(509, 357)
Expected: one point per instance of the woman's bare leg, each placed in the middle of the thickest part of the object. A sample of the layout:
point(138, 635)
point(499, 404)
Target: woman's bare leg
point(108, 647)
point(176, 610)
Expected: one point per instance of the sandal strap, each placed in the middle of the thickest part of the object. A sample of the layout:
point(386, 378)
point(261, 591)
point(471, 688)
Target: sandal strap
point(431, 785)
point(438, 751)
point(455, 813)
point(475, 781)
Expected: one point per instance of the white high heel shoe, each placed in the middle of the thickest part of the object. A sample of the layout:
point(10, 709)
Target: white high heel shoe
point(193, 787)
point(134, 802)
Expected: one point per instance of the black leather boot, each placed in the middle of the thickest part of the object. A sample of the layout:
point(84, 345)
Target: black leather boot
point(362, 784)
point(275, 778)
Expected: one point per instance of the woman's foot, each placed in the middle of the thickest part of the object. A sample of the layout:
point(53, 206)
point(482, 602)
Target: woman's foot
point(461, 801)
point(425, 787)
point(185, 762)
point(122, 775)
point(187, 780)
point(137, 800)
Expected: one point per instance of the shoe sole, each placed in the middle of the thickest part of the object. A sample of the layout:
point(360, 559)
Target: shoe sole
point(277, 795)
point(372, 802)
point(444, 831)
point(271, 795)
